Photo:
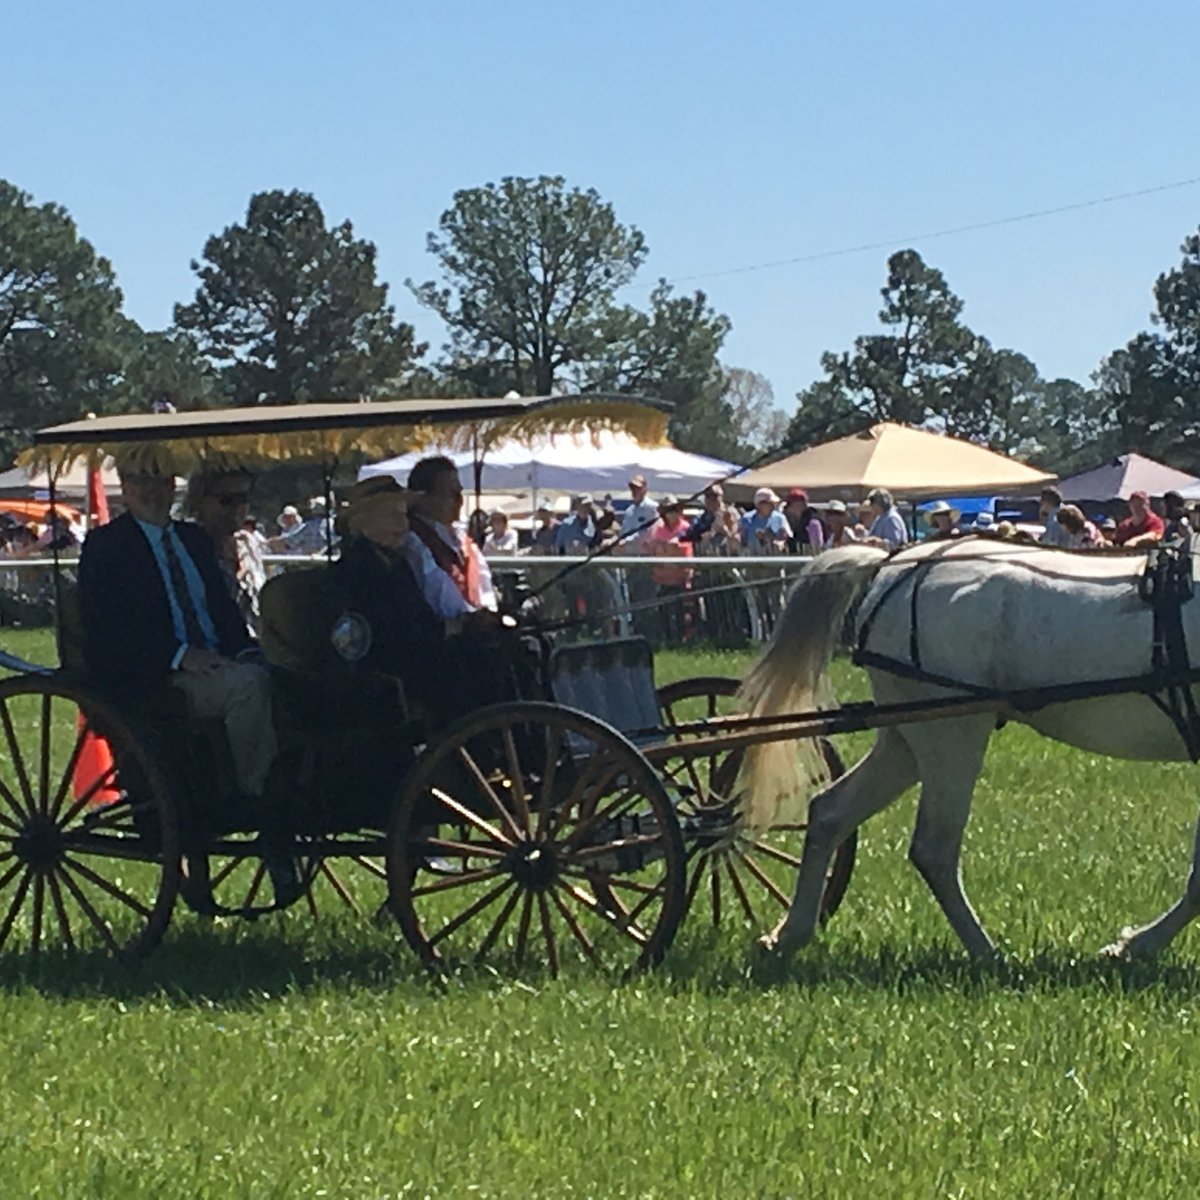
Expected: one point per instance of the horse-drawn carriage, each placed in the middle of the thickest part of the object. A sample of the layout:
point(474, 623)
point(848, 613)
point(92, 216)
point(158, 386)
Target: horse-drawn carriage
point(581, 822)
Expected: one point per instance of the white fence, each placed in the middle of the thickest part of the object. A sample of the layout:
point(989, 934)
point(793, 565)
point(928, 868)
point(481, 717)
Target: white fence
point(729, 600)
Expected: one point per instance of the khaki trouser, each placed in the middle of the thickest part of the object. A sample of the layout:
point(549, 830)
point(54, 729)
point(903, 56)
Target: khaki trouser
point(240, 695)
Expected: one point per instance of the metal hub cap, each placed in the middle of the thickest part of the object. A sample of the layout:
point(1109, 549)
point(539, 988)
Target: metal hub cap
point(39, 844)
point(535, 866)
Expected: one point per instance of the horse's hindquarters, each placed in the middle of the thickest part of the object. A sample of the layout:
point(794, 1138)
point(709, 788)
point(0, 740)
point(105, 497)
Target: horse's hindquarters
point(1124, 726)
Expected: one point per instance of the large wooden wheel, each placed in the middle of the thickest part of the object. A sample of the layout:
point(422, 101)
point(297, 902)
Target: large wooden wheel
point(535, 835)
point(89, 841)
point(732, 869)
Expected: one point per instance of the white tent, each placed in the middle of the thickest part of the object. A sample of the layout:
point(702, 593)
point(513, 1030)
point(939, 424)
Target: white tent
point(70, 485)
point(598, 462)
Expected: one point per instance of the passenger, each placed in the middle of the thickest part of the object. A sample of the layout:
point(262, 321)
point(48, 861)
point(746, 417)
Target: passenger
point(377, 582)
point(216, 500)
point(453, 575)
point(156, 613)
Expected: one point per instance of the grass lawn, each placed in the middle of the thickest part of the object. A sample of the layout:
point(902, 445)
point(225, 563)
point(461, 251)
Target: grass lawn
point(299, 1057)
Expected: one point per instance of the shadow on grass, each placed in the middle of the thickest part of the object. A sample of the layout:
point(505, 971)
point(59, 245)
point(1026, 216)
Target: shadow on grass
point(210, 967)
point(943, 968)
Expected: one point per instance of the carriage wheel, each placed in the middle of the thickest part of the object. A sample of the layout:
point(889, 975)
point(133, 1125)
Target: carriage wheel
point(532, 833)
point(89, 842)
point(730, 868)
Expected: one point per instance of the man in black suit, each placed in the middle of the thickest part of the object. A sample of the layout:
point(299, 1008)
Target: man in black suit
point(156, 612)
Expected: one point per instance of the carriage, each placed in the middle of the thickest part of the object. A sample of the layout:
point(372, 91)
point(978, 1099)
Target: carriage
point(580, 823)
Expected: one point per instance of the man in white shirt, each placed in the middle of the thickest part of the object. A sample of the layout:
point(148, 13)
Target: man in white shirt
point(453, 575)
point(639, 518)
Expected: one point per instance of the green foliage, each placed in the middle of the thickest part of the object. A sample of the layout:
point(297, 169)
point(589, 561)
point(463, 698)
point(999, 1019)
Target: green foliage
point(929, 368)
point(529, 271)
point(62, 335)
point(1151, 387)
point(290, 310)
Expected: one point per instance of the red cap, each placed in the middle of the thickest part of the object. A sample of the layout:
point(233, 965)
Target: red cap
point(798, 494)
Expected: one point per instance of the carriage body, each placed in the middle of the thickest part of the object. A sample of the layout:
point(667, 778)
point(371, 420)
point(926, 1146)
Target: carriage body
point(570, 822)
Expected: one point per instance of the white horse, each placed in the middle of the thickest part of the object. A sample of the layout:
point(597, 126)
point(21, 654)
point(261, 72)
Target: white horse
point(989, 614)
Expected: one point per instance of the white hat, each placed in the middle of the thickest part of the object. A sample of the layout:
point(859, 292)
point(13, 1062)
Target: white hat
point(837, 506)
point(765, 494)
point(940, 506)
point(984, 520)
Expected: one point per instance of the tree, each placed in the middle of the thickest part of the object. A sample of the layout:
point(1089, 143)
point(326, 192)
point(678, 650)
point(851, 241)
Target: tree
point(760, 426)
point(290, 310)
point(529, 271)
point(61, 328)
point(166, 367)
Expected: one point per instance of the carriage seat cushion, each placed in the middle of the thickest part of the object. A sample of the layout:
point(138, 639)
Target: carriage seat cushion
point(613, 681)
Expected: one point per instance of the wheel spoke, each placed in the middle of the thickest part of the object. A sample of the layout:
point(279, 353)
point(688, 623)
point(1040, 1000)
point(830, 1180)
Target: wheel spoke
point(548, 933)
point(523, 930)
point(574, 925)
point(60, 909)
point(25, 810)
point(5, 820)
point(597, 772)
point(602, 848)
point(260, 875)
point(224, 873)
point(472, 910)
point(92, 915)
point(716, 893)
point(770, 852)
point(368, 866)
point(471, 818)
point(505, 912)
point(15, 906)
point(621, 919)
point(482, 783)
point(106, 778)
point(631, 885)
point(554, 744)
point(457, 849)
point(108, 887)
point(338, 886)
point(39, 903)
point(465, 879)
point(64, 784)
point(739, 890)
point(768, 883)
point(587, 824)
point(43, 780)
point(517, 778)
point(117, 815)
point(694, 883)
point(8, 875)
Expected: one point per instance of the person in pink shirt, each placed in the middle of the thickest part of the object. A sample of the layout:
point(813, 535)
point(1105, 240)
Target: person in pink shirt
point(672, 581)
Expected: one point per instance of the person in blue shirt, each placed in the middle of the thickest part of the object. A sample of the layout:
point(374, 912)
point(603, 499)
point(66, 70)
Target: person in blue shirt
point(765, 530)
point(888, 528)
point(578, 533)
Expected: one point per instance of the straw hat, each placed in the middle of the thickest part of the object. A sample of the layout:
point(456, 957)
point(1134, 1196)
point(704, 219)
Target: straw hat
point(939, 507)
point(365, 495)
point(765, 494)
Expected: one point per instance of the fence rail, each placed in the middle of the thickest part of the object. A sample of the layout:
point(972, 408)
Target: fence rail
point(729, 599)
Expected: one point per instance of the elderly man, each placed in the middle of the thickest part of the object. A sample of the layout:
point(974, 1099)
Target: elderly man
point(157, 612)
point(578, 533)
point(453, 575)
point(708, 531)
point(639, 518)
point(887, 525)
point(765, 530)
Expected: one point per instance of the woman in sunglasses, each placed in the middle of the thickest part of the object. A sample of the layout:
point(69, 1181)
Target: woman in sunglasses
point(217, 501)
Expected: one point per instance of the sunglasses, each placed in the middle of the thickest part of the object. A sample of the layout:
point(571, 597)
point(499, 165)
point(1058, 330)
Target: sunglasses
point(230, 499)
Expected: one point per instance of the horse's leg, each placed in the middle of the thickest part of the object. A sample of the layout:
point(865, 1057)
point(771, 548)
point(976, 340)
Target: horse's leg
point(949, 758)
point(833, 815)
point(1150, 939)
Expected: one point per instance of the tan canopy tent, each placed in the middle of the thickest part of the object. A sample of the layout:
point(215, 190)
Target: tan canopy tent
point(914, 464)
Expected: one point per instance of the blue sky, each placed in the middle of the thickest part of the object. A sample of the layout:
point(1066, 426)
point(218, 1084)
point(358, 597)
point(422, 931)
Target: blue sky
point(730, 134)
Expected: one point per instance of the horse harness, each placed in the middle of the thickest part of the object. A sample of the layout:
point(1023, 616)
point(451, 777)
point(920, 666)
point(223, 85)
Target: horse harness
point(1166, 586)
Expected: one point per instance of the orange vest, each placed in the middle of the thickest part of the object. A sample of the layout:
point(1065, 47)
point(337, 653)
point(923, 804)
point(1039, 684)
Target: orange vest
point(462, 566)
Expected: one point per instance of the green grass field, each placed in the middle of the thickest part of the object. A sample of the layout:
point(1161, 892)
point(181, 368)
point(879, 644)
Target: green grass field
point(295, 1057)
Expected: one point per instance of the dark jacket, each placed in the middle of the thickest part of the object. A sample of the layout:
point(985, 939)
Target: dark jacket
point(407, 636)
point(128, 635)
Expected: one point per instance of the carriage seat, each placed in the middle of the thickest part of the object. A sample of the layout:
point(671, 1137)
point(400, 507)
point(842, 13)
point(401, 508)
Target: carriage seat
point(613, 681)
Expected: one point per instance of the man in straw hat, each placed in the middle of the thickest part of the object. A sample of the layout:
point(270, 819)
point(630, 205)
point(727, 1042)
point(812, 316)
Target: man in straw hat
point(942, 519)
point(156, 612)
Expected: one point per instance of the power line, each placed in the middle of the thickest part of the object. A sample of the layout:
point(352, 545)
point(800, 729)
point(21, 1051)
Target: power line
point(939, 233)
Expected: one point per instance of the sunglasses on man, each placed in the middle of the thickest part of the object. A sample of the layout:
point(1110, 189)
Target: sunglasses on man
point(230, 499)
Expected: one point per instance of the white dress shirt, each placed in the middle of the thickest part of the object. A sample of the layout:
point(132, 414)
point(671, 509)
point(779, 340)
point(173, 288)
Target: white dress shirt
point(436, 585)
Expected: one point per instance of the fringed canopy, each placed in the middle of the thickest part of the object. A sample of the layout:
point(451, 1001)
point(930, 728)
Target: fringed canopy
point(333, 432)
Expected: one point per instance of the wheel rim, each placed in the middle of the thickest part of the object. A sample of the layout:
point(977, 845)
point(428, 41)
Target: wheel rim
point(88, 838)
point(536, 837)
point(732, 870)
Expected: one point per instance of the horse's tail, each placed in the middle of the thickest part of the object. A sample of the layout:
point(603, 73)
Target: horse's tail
point(791, 677)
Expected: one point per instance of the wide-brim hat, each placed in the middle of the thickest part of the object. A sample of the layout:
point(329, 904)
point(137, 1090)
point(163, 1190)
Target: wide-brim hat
point(765, 494)
point(939, 507)
point(834, 506)
point(364, 496)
